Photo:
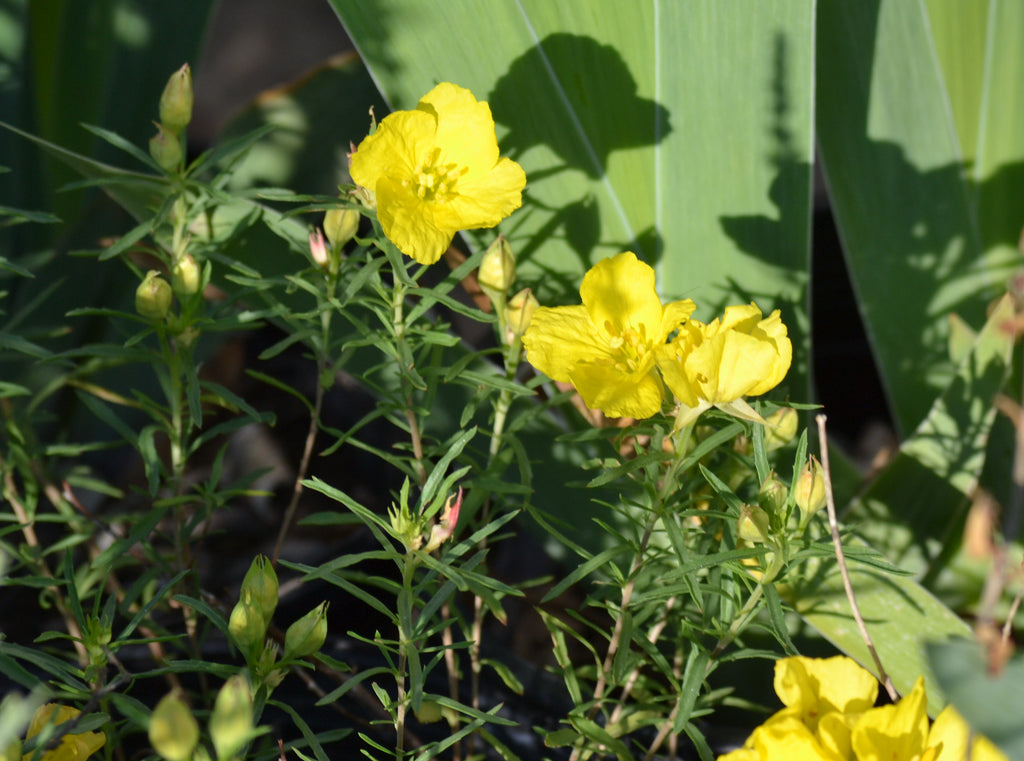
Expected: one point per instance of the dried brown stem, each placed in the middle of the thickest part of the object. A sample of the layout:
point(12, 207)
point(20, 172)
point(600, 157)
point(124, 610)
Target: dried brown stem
point(833, 524)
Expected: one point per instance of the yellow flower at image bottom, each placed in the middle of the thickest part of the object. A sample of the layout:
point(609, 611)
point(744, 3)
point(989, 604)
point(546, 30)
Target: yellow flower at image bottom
point(72, 747)
point(436, 170)
point(829, 715)
point(606, 346)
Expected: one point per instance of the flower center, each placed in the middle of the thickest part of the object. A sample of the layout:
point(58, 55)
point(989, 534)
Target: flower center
point(631, 345)
point(435, 181)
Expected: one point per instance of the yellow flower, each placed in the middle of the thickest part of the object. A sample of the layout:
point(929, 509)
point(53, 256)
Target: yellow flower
point(719, 363)
point(606, 346)
point(77, 747)
point(436, 170)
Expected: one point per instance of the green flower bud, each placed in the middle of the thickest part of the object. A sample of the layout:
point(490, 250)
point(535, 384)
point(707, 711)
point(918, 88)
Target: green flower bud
point(518, 313)
point(176, 101)
point(260, 583)
point(307, 635)
point(248, 627)
point(186, 277)
point(809, 494)
point(780, 428)
point(497, 268)
point(231, 725)
point(340, 226)
point(753, 525)
point(165, 148)
point(772, 496)
point(173, 730)
point(153, 297)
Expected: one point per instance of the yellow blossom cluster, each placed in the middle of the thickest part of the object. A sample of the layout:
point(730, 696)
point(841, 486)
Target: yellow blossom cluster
point(829, 715)
point(622, 346)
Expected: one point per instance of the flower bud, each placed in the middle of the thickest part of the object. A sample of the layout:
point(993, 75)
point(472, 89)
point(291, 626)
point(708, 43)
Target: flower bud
point(780, 428)
point(260, 583)
point(307, 635)
point(340, 226)
point(173, 730)
point(497, 268)
point(176, 101)
point(445, 527)
point(248, 627)
point(231, 725)
point(518, 313)
point(153, 297)
point(165, 148)
point(318, 248)
point(753, 525)
point(809, 494)
point(772, 496)
point(186, 278)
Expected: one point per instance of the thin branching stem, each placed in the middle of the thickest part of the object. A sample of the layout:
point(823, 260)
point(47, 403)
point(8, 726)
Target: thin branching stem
point(311, 433)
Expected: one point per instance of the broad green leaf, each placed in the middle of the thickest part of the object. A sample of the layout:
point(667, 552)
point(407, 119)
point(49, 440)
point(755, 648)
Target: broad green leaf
point(990, 703)
point(911, 514)
point(681, 131)
point(907, 211)
point(978, 46)
point(914, 511)
point(900, 615)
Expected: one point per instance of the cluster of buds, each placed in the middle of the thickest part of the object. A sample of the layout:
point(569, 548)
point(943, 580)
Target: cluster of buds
point(174, 731)
point(154, 294)
point(496, 276)
point(250, 619)
point(767, 522)
point(411, 529)
point(166, 147)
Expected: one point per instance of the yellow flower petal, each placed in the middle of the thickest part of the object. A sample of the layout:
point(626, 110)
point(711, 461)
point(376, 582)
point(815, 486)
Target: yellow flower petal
point(619, 293)
point(72, 747)
point(949, 735)
point(559, 338)
point(617, 394)
point(896, 732)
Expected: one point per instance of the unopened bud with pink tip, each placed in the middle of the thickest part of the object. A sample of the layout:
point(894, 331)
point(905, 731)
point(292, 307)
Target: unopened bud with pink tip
point(445, 526)
point(318, 248)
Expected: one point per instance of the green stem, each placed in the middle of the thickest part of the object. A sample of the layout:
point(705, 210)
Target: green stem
point(326, 312)
point(776, 564)
point(399, 326)
point(405, 639)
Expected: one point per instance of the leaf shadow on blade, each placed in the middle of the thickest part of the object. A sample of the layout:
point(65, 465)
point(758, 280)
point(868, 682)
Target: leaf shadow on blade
point(576, 75)
point(773, 239)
